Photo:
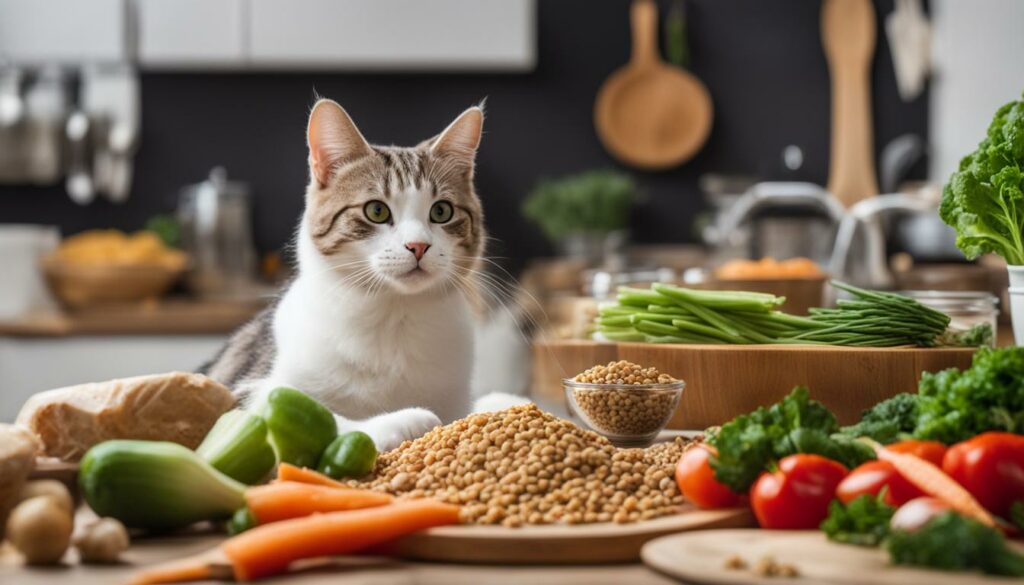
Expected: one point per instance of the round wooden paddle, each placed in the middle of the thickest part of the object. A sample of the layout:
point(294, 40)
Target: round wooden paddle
point(650, 114)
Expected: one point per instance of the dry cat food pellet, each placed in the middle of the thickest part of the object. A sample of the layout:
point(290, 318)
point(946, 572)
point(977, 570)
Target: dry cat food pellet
point(524, 466)
point(624, 411)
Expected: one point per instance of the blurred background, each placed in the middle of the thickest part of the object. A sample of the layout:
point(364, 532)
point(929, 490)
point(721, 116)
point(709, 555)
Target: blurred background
point(774, 124)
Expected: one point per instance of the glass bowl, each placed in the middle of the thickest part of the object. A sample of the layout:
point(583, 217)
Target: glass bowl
point(629, 415)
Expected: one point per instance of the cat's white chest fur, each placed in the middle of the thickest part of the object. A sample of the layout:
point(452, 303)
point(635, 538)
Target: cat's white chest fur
point(365, 354)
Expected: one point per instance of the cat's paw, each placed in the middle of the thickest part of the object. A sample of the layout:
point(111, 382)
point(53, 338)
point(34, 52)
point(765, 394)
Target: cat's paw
point(497, 401)
point(391, 430)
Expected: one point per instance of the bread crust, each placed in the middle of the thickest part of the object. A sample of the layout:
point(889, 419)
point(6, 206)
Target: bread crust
point(18, 449)
point(179, 407)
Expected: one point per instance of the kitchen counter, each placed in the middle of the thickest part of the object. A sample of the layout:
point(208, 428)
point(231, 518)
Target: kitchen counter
point(342, 571)
point(170, 317)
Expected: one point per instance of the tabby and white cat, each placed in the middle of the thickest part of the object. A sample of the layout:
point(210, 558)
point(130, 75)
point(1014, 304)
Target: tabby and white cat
point(378, 324)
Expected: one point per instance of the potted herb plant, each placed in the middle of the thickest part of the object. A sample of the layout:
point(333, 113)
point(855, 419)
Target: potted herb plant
point(984, 202)
point(584, 215)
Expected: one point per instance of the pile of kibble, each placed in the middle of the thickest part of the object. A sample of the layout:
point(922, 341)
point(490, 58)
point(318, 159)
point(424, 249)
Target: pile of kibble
point(524, 466)
point(642, 411)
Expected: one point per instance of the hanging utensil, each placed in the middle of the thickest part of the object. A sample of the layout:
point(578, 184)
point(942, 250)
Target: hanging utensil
point(79, 183)
point(848, 35)
point(910, 42)
point(650, 114)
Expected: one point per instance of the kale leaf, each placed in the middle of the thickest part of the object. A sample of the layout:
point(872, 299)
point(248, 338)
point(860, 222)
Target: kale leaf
point(888, 420)
point(984, 199)
point(954, 406)
point(951, 542)
point(863, 522)
point(749, 443)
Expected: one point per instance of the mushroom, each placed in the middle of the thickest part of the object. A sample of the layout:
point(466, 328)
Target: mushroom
point(102, 541)
point(40, 528)
point(49, 488)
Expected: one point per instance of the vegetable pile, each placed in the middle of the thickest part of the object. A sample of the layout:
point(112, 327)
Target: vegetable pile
point(670, 314)
point(914, 497)
point(984, 199)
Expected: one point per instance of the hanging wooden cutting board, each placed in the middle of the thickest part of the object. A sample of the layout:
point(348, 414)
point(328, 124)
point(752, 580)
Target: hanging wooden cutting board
point(650, 114)
point(848, 32)
point(700, 558)
point(562, 545)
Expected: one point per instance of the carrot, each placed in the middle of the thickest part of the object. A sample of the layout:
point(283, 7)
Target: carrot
point(934, 482)
point(290, 499)
point(289, 472)
point(268, 550)
point(204, 566)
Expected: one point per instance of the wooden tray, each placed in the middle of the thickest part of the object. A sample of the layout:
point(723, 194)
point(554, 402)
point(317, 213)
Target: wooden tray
point(700, 558)
point(723, 381)
point(563, 545)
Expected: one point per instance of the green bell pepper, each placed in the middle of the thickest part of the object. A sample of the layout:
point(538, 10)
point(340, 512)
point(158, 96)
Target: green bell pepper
point(352, 454)
point(300, 428)
point(237, 446)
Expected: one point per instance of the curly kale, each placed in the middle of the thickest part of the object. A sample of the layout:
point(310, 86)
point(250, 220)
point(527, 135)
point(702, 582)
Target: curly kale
point(863, 522)
point(984, 199)
point(951, 542)
point(888, 420)
point(989, 396)
point(749, 443)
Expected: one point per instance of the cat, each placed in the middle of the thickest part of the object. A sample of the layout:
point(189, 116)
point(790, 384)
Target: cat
point(378, 324)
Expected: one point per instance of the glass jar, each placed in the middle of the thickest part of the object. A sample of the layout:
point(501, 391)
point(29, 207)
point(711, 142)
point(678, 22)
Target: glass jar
point(966, 309)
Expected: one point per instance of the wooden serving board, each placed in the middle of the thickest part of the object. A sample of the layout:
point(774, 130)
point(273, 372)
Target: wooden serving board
point(701, 557)
point(562, 545)
point(723, 381)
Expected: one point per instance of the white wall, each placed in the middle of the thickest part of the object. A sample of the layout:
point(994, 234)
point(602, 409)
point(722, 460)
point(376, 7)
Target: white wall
point(979, 66)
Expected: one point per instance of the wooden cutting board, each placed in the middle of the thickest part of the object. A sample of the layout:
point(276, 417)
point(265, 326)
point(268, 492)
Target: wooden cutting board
point(723, 381)
point(701, 557)
point(562, 545)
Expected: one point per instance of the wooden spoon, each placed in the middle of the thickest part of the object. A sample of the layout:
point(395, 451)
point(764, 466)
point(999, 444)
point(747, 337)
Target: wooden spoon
point(650, 114)
point(848, 36)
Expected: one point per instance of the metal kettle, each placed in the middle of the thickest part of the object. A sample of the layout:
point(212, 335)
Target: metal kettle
point(216, 230)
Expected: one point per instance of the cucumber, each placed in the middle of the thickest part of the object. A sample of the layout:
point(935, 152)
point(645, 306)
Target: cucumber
point(300, 428)
point(155, 485)
point(237, 446)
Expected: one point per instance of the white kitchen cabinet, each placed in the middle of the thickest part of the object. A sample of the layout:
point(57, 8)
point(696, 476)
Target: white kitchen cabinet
point(188, 34)
point(36, 32)
point(393, 34)
point(33, 364)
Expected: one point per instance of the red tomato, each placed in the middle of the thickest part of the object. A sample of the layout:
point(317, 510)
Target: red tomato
point(932, 451)
point(991, 467)
point(917, 512)
point(696, 480)
point(798, 494)
point(871, 477)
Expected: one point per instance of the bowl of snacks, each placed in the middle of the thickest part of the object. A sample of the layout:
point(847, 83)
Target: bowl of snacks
point(109, 266)
point(627, 403)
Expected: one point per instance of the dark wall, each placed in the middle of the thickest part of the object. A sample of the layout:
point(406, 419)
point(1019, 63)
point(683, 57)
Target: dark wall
point(762, 62)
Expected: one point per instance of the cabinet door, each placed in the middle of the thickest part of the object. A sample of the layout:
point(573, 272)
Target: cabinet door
point(33, 32)
point(393, 34)
point(189, 34)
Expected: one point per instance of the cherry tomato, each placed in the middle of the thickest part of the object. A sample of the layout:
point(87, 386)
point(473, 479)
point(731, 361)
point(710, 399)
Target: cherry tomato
point(798, 494)
point(932, 451)
point(696, 480)
point(871, 477)
point(991, 467)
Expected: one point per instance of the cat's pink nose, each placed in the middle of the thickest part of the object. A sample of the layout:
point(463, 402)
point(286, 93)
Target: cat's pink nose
point(418, 249)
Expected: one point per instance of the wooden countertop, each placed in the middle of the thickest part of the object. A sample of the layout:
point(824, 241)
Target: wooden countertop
point(341, 571)
point(164, 317)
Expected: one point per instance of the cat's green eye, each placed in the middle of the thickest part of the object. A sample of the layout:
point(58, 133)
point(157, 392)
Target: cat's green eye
point(377, 211)
point(441, 212)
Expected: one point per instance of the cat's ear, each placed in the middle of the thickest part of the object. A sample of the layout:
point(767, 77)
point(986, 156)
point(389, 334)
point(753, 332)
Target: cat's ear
point(462, 137)
point(333, 140)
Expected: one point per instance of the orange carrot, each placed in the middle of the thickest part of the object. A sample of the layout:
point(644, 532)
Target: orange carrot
point(289, 472)
point(290, 499)
point(202, 567)
point(934, 482)
point(268, 550)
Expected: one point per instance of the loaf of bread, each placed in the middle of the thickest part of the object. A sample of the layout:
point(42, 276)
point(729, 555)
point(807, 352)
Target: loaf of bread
point(179, 407)
point(18, 448)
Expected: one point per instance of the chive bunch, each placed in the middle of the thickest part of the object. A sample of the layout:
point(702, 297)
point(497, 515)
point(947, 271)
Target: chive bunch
point(670, 314)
